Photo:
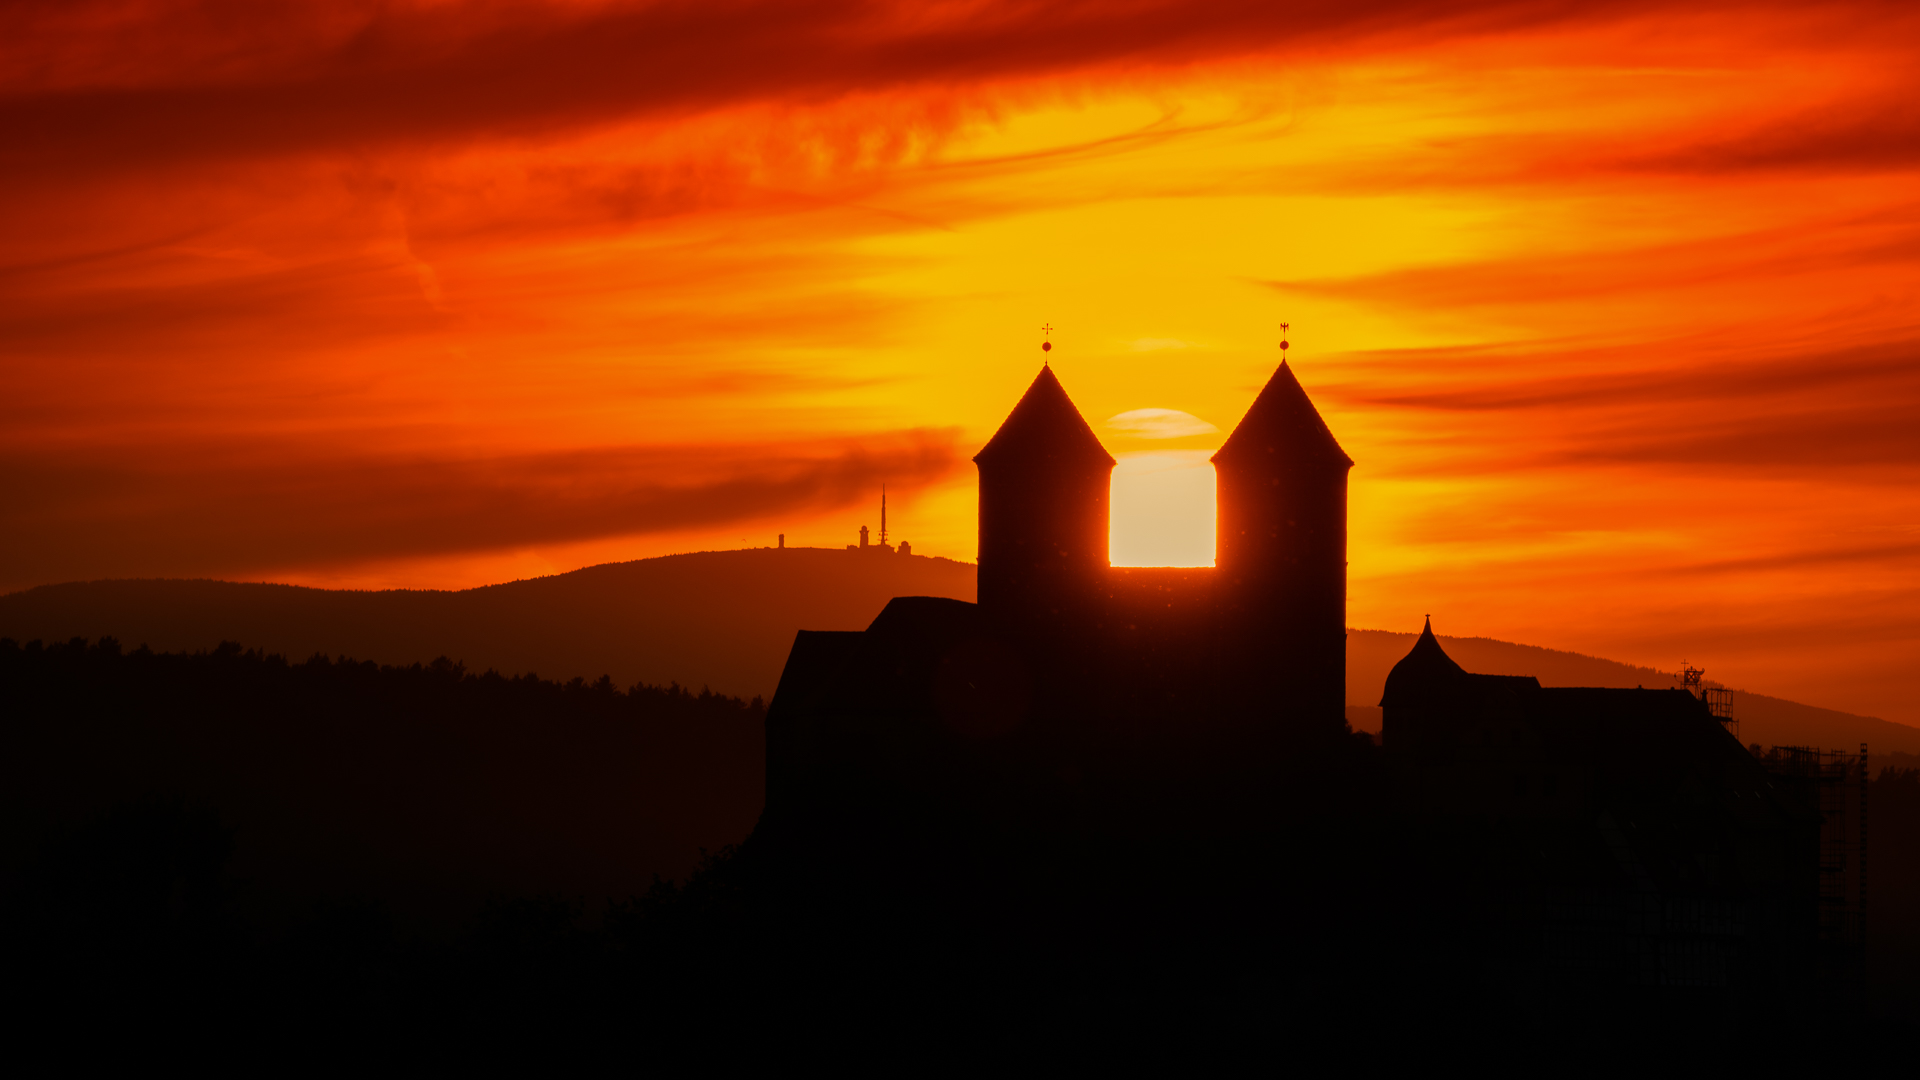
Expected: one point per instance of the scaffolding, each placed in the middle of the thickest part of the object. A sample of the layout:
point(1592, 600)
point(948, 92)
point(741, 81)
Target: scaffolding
point(1720, 704)
point(1835, 783)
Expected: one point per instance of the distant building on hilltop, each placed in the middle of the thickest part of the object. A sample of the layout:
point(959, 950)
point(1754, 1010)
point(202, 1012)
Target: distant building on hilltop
point(864, 545)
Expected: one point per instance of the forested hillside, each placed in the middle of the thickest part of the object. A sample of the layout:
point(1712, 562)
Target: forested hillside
point(428, 788)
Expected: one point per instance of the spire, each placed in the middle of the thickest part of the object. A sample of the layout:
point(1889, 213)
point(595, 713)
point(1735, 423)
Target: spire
point(1282, 421)
point(1424, 669)
point(883, 515)
point(1045, 426)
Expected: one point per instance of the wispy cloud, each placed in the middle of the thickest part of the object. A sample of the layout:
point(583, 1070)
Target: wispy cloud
point(1159, 424)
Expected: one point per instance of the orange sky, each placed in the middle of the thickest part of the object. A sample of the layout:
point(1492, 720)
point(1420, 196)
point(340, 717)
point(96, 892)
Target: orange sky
point(1613, 306)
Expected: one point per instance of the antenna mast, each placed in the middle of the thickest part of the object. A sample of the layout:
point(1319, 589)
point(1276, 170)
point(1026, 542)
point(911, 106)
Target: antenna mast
point(1719, 699)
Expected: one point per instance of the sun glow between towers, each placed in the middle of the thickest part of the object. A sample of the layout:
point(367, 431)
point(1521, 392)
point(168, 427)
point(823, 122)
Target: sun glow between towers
point(1162, 509)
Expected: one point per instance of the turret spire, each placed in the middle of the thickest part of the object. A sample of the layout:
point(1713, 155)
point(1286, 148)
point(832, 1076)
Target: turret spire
point(1283, 421)
point(1045, 426)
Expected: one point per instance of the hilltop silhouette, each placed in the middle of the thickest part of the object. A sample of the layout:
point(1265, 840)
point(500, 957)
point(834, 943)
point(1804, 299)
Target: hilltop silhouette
point(720, 619)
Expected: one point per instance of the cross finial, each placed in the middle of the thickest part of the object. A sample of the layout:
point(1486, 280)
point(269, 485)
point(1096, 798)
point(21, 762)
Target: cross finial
point(1046, 346)
point(1284, 327)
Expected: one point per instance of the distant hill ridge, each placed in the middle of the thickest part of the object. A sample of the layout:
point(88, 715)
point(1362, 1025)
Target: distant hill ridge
point(719, 619)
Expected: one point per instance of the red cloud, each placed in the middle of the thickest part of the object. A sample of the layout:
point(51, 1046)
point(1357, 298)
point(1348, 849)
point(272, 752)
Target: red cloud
point(232, 508)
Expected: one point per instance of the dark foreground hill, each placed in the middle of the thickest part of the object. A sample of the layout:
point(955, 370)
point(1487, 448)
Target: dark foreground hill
point(333, 858)
point(333, 855)
point(720, 619)
point(425, 789)
point(223, 855)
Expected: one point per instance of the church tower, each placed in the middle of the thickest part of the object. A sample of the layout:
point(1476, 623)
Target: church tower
point(1281, 553)
point(1044, 482)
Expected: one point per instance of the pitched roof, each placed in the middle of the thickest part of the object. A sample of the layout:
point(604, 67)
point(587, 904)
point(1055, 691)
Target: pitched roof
point(1282, 421)
point(1045, 426)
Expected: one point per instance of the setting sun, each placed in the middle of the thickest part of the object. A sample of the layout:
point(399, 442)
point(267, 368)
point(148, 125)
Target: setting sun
point(1163, 509)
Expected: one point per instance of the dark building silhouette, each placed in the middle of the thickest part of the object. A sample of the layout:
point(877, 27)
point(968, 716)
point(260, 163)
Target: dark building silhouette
point(1256, 644)
point(1074, 688)
point(1628, 838)
point(1579, 840)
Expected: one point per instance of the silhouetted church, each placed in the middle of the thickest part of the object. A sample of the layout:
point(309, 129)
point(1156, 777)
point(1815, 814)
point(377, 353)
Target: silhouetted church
point(1194, 717)
point(1074, 684)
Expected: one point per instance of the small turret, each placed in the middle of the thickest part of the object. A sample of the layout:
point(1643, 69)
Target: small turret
point(1433, 708)
point(1044, 483)
point(1426, 672)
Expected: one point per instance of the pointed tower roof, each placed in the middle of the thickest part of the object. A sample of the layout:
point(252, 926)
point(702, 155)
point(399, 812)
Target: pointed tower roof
point(1282, 421)
point(1423, 672)
point(1045, 426)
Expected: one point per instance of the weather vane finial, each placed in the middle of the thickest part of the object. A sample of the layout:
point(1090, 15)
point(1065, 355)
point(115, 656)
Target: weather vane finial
point(1284, 327)
point(1045, 345)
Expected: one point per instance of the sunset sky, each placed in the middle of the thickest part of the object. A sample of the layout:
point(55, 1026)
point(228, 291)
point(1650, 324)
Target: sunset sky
point(1614, 304)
